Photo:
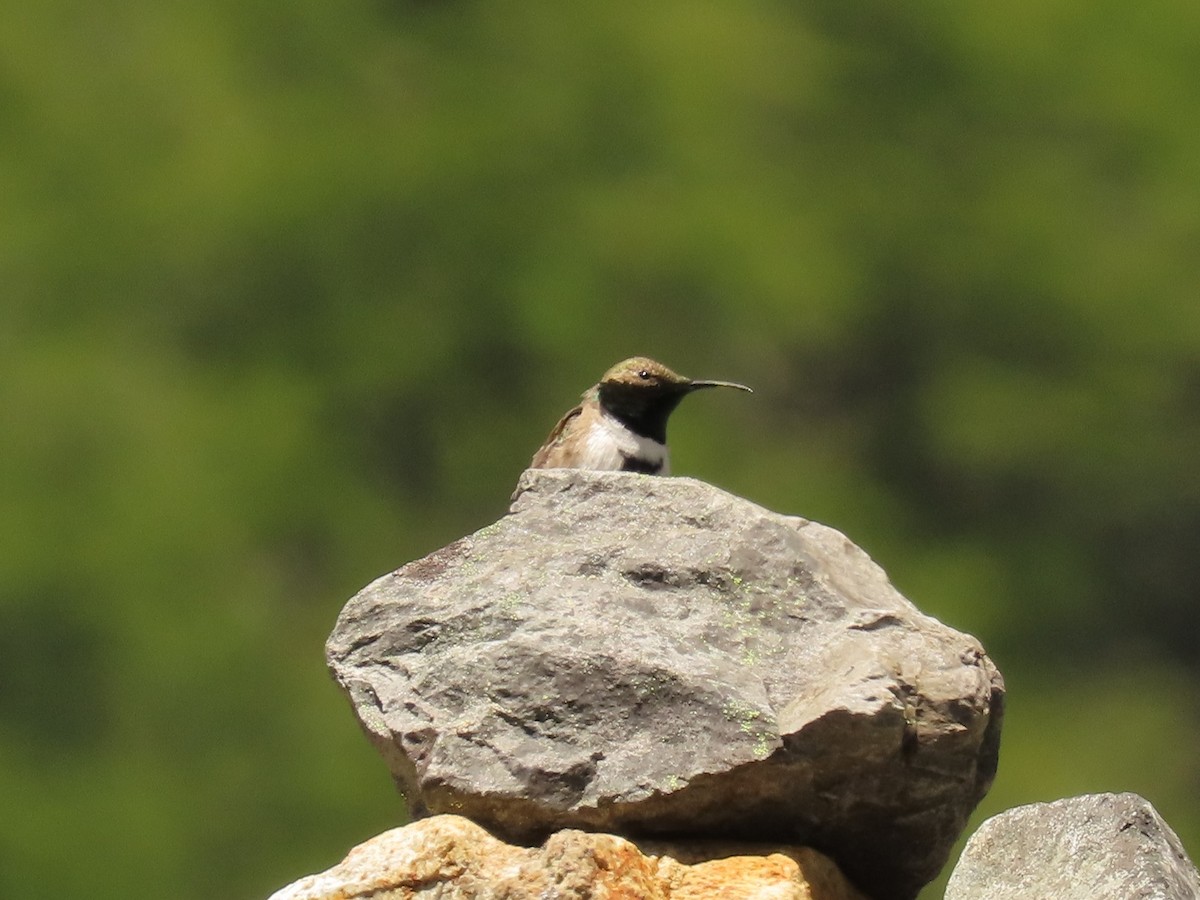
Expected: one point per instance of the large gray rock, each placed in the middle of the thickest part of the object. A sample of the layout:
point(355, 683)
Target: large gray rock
point(1095, 847)
point(654, 656)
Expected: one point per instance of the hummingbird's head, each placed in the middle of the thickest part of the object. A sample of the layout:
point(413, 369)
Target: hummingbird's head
point(643, 393)
point(640, 373)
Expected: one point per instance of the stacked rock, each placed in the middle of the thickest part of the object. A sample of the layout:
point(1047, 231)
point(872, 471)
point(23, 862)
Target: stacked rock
point(659, 660)
point(646, 688)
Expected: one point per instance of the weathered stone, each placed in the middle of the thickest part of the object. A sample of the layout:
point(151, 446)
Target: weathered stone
point(1095, 847)
point(452, 858)
point(654, 656)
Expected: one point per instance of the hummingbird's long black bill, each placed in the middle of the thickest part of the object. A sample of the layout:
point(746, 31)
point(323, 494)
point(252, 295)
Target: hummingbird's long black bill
point(696, 385)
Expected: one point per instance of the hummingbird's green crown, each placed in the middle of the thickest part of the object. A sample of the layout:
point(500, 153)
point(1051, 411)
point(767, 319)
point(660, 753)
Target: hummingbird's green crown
point(641, 371)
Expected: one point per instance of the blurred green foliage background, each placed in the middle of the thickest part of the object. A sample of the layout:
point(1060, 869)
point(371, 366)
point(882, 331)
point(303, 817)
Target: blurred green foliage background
point(290, 292)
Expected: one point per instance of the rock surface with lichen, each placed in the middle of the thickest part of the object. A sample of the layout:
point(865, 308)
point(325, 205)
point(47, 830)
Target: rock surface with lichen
point(654, 656)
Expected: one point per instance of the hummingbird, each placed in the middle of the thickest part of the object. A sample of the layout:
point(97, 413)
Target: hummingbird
point(620, 423)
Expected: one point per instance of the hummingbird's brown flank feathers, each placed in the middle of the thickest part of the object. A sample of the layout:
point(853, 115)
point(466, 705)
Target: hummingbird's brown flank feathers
point(542, 459)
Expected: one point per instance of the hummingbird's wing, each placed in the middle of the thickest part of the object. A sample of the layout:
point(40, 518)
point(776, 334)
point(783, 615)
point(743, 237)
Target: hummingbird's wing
point(544, 458)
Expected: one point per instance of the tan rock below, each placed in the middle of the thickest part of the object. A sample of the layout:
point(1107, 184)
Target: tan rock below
point(452, 858)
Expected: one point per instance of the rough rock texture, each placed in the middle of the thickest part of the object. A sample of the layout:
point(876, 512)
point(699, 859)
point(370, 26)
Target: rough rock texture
point(1095, 847)
point(654, 656)
point(451, 858)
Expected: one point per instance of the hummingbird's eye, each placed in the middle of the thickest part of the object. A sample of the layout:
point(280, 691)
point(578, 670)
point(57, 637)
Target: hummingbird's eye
point(644, 375)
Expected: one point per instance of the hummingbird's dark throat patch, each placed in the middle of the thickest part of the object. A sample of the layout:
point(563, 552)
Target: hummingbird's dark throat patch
point(643, 409)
